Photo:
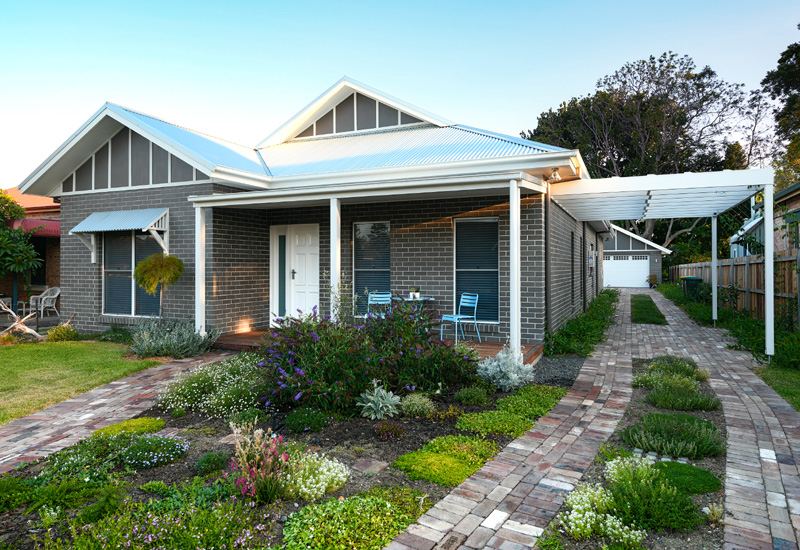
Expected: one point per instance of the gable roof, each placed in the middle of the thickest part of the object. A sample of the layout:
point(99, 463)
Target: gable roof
point(641, 239)
point(331, 97)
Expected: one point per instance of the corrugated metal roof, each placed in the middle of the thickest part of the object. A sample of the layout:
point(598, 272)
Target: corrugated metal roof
point(216, 151)
point(404, 147)
point(120, 220)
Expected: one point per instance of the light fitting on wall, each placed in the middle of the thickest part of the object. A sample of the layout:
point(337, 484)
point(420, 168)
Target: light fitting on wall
point(554, 176)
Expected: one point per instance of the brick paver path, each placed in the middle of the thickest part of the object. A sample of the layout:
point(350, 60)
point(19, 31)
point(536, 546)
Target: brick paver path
point(513, 497)
point(32, 437)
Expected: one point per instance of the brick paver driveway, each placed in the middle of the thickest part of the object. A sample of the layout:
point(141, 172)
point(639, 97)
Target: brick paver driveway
point(512, 498)
point(63, 424)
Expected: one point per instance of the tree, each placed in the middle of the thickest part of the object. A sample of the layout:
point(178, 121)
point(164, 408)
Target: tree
point(658, 115)
point(17, 254)
point(158, 271)
point(783, 84)
point(735, 157)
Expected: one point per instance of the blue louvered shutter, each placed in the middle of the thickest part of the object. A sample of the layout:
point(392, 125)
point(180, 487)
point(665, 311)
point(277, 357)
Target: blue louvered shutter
point(145, 303)
point(117, 273)
point(371, 261)
point(477, 265)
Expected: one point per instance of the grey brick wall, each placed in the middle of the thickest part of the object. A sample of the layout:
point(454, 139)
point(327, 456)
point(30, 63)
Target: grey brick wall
point(81, 284)
point(570, 273)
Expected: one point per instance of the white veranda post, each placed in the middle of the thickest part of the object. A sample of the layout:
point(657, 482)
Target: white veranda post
point(515, 316)
point(200, 269)
point(769, 271)
point(336, 253)
point(714, 268)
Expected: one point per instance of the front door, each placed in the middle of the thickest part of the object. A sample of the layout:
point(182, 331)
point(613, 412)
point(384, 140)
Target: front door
point(302, 268)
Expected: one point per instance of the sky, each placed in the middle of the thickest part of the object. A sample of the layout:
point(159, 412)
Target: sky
point(239, 69)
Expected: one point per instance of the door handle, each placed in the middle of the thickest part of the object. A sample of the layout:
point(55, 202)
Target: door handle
point(293, 274)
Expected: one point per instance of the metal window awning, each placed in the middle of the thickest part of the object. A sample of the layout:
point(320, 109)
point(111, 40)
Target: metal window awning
point(147, 220)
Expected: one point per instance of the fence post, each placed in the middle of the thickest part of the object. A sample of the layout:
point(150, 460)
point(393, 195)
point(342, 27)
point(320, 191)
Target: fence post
point(747, 284)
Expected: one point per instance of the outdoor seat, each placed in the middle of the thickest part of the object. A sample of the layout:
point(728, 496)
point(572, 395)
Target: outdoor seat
point(467, 303)
point(381, 302)
point(46, 301)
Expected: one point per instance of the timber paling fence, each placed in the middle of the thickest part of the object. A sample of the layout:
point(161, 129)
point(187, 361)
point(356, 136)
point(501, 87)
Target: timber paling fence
point(746, 275)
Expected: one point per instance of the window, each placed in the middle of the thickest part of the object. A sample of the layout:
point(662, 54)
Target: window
point(38, 275)
point(477, 264)
point(121, 296)
point(371, 261)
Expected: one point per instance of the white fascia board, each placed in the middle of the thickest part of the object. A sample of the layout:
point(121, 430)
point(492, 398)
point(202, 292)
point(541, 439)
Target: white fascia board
point(330, 97)
point(751, 178)
point(641, 239)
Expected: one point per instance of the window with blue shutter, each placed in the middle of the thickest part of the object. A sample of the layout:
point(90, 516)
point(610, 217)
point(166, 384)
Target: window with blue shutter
point(477, 264)
point(121, 295)
point(371, 261)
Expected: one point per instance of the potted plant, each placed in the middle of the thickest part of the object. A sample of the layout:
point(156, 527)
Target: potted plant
point(413, 293)
point(652, 280)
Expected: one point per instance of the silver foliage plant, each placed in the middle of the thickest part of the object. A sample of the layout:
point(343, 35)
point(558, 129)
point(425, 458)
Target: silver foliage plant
point(505, 371)
point(378, 403)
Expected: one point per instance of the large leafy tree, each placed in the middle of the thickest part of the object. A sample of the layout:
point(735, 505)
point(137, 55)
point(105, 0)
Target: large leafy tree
point(17, 255)
point(663, 115)
point(783, 84)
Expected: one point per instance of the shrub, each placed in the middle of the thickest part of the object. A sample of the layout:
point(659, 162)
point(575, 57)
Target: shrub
point(387, 430)
point(156, 487)
point(679, 366)
point(675, 434)
point(505, 370)
point(258, 463)
point(449, 414)
point(643, 497)
point(157, 270)
point(532, 402)
point(494, 422)
point(210, 462)
point(417, 405)
point(251, 415)
point(676, 399)
point(689, 479)
point(107, 500)
point(310, 476)
point(364, 522)
point(378, 403)
point(149, 451)
point(306, 419)
point(217, 390)
point(447, 460)
point(581, 334)
point(141, 425)
point(656, 378)
point(117, 335)
point(173, 338)
point(472, 396)
point(609, 452)
point(14, 492)
point(63, 332)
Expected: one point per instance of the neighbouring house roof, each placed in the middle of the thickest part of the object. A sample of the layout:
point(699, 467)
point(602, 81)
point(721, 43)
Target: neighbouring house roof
point(33, 204)
point(431, 141)
point(40, 228)
point(121, 220)
point(786, 193)
point(640, 239)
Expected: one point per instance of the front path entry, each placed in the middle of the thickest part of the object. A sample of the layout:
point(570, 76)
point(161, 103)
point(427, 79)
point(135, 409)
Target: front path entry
point(509, 502)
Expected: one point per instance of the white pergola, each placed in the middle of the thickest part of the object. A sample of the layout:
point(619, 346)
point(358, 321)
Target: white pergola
point(688, 195)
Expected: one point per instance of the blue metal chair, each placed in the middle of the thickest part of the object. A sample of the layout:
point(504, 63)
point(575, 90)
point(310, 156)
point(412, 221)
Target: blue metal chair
point(382, 300)
point(469, 301)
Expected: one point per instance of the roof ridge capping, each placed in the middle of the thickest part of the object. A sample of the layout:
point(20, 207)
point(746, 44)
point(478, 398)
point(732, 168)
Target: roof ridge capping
point(330, 97)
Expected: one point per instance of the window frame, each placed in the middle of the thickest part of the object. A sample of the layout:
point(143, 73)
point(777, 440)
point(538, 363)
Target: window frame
point(353, 248)
point(476, 219)
point(132, 314)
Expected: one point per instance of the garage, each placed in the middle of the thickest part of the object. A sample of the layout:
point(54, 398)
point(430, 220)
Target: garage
point(626, 271)
point(630, 260)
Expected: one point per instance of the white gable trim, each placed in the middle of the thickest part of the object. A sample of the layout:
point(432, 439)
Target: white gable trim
point(640, 239)
point(331, 97)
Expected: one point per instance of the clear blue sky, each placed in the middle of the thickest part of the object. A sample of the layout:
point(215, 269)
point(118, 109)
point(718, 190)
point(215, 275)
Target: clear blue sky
point(238, 69)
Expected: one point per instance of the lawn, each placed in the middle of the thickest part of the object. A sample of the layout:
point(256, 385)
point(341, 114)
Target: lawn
point(785, 381)
point(38, 375)
point(645, 311)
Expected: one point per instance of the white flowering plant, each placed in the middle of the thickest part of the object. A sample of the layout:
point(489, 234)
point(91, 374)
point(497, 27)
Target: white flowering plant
point(590, 513)
point(625, 466)
point(310, 476)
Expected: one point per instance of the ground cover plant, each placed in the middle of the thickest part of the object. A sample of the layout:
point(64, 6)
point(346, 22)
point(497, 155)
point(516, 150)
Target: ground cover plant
point(674, 384)
point(447, 460)
point(675, 434)
point(645, 311)
point(581, 334)
point(38, 375)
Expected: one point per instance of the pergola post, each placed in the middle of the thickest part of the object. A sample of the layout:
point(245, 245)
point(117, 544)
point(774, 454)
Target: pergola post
point(714, 269)
point(769, 270)
point(515, 282)
point(200, 269)
point(336, 253)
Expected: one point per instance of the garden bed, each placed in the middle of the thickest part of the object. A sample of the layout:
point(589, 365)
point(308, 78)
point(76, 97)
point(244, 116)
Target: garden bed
point(702, 533)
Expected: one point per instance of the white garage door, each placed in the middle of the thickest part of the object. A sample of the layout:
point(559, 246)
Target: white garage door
point(626, 271)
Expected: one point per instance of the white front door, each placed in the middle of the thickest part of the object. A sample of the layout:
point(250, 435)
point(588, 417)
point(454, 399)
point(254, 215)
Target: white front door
point(303, 268)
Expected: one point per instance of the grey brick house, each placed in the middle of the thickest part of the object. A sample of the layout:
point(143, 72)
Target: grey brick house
point(359, 191)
